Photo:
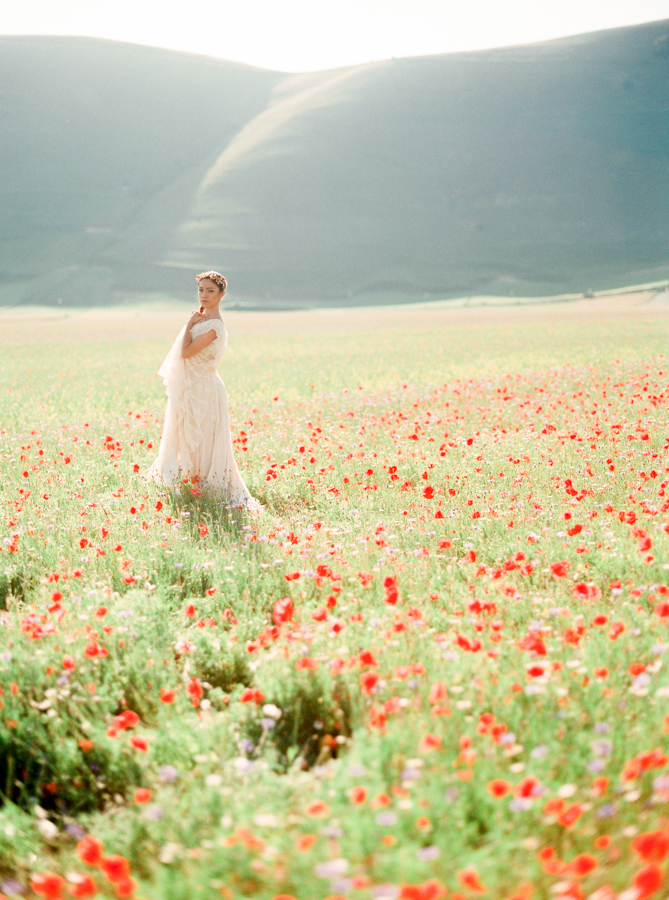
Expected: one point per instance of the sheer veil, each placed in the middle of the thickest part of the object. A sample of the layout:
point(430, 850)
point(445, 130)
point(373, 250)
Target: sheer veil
point(173, 370)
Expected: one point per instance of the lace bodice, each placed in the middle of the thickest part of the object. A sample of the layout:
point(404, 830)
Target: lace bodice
point(210, 356)
point(181, 374)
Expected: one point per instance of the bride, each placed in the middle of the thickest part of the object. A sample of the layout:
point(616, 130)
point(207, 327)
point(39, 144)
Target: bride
point(196, 442)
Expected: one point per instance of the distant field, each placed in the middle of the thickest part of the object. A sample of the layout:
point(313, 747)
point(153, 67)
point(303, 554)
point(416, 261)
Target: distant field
point(434, 664)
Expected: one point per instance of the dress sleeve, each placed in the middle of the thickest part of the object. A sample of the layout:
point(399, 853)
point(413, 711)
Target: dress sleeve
point(214, 324)
point(221, 334)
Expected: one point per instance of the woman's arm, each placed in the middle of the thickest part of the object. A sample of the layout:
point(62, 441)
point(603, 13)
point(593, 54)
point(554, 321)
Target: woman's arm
point(198, 344)
point(190, 347)
point(195, 316)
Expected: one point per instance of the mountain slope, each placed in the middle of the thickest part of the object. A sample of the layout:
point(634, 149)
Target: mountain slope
point(526, 170)
point(530, 169)
point(93, 132)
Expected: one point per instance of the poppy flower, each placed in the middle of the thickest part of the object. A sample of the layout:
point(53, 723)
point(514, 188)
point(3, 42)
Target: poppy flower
point(81, 886)
point(429, 742)
point(305, 841)
point(428, 890)
point(317, 808)
point(648, 880)
point(48, 885)
point(127, 719)
point(438, 693)
point(306, 663)
point(651, 846)
point(368, 682)
point(358, 794)
point(125, 887)
point(582, 865)
point(115, 867)
point(583, 591)
point(283, 611)
point(249, 695)
point(90, 850)
point(469, 878)
point(498, 787)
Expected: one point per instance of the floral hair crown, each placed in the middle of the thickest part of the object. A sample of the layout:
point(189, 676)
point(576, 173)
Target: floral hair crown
point(216, 277)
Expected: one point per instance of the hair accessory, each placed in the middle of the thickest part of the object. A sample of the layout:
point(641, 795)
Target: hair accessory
point(216, 277)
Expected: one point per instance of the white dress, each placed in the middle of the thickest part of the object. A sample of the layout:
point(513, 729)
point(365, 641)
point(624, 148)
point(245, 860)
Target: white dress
point(196, 440)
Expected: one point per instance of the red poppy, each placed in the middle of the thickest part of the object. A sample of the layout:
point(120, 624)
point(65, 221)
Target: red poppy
point(498, 787)
point(82, 886)
point(90, 850)
point(125, 887)
point(428, 890)
point(429, 742)
point(306, 662)
point(48, 885)
point(127, 719)
point(358, 794)
point(249, 695)
point(283, 611)
point(469, 878)
point(438, 693)
point(583, 591)
point(116, 868)
point(368, 681)
point(651, 846)
point(648, 880)
point(582, 865)
point(317, 808)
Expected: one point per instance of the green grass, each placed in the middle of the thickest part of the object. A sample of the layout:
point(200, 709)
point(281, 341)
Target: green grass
point(522, 432)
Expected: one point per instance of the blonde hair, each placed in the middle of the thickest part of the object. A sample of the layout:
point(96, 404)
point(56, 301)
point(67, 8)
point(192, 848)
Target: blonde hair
point(216, 277)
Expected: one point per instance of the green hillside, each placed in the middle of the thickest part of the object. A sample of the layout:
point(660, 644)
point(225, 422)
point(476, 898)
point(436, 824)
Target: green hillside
point(103, 145)
point(527, 170)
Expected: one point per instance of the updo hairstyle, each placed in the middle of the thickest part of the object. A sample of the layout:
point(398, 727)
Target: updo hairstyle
point(216, 277)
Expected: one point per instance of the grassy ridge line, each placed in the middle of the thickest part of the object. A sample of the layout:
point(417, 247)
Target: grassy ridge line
point(519, 171)
point(116, 152)
point(381, 694)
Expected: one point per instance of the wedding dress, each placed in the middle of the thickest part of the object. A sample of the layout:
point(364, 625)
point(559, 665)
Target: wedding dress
point(196, 440)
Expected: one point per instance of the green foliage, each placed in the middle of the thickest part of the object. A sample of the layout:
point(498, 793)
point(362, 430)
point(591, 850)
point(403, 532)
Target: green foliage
point(16, 583)
point(225, 671)
point(345, 723)
point(42, 762)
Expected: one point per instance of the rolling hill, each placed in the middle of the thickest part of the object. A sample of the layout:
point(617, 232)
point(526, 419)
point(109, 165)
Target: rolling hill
point(521, 171)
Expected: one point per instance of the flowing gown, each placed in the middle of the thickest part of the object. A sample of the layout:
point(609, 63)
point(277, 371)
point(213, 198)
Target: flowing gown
point(196, 440)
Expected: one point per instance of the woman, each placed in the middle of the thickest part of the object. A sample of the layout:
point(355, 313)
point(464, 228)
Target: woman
point(196, 441)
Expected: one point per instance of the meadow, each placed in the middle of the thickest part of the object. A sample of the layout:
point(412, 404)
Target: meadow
point(432, 667)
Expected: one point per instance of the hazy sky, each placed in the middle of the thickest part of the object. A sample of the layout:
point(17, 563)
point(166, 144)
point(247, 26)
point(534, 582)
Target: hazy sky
point(305, 35)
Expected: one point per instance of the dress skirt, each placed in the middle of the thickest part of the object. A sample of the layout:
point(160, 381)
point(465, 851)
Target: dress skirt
point(196, 442)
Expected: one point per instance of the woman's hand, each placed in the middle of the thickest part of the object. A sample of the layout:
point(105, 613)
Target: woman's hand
point(195, 317)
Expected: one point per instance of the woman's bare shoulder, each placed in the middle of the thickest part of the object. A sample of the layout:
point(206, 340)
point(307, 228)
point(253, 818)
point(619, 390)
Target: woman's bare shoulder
point(209, 324)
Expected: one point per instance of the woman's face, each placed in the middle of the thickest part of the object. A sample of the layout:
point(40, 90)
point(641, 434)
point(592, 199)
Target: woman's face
point(209, 293)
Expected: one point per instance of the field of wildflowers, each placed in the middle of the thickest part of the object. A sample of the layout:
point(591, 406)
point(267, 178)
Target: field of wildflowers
point(434, 666)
